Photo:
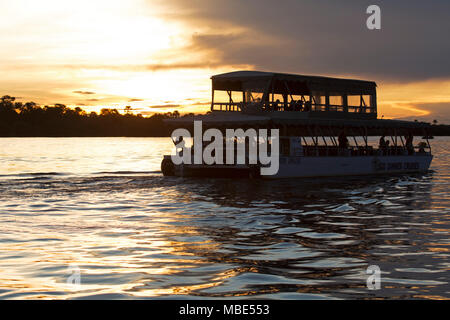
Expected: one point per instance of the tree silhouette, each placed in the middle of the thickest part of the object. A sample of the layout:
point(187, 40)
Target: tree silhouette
point(30, 119)
point(128, 110)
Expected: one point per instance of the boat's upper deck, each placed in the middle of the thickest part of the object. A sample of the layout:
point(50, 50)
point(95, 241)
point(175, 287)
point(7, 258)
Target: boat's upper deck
point(299, 105)
point(312, 96)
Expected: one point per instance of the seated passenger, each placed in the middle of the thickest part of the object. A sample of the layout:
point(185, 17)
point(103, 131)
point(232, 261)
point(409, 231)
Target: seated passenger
point(409, 143)
point(422, 146)
point(382, 144)
point(276, 105)
point(292, 105)
point(307, 106)
point(387, 150)
point(343, 141)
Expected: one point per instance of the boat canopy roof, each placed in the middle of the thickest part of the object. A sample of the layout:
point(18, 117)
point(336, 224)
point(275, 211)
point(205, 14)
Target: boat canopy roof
point(283, 83)
point(321, 115)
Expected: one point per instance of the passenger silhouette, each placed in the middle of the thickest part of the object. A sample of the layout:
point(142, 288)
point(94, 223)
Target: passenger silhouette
point(409, 143)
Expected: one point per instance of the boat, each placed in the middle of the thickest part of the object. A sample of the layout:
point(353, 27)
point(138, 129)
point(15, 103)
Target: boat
point(327, 127)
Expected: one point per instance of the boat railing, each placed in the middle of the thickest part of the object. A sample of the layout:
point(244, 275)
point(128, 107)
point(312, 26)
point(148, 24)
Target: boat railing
point(351, 151)
point(227, 106)
point(335, 151)
point(303, 107)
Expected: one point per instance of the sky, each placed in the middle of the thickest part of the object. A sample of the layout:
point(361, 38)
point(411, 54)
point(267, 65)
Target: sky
point(159, 55)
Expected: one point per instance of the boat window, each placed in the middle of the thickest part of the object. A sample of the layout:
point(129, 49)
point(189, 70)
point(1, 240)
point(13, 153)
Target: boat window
point(221, 96)
point(253, 96)
point(365, 102)
point(319, 99)
point(336, 100)
point(354, 100)
point(296, 98)
point(224, 96)
point(358, 100)
point(276, 97)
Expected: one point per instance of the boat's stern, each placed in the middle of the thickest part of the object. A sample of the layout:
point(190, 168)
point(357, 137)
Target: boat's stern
point(168, 168)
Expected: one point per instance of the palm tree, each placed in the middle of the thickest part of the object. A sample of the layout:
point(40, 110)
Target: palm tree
point(176, 114)
point(7, 102)
point(128, 110)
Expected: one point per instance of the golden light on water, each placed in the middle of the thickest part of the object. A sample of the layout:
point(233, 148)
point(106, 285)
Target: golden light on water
point(150, 253)
point(102, 205)
point(137, 234)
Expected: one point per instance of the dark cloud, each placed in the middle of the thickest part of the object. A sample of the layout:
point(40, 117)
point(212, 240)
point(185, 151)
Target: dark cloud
point(200, 103)
point(166, 106)
point(326, 36)
point(142, 67)
point(83, 92)
point(169, 66)
point(147, 113)
point(135, 100)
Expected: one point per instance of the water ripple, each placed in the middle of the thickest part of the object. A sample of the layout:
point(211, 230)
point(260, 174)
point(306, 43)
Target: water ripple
point(135, 234)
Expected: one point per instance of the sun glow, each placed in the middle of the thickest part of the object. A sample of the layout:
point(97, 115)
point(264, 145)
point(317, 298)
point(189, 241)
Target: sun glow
point(111, 49)
point(411, 99)
point(111, 53)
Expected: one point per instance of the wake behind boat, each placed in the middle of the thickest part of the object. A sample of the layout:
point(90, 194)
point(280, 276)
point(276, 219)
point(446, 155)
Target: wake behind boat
point(324, 127)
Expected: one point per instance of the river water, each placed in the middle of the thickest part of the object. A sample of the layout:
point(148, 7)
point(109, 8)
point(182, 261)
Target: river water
point(98, 210)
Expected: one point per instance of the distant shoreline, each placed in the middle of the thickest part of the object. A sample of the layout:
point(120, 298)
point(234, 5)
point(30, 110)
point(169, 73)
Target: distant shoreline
point(79, 136)
point(439, 133)
point(28, 119)
point(31, 120)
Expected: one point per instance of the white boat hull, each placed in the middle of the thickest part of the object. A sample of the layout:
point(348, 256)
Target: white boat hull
point(297, 167)
point(343, 166)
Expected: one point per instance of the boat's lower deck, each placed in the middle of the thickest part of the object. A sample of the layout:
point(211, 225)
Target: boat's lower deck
point(342, 166)
point(291, 167)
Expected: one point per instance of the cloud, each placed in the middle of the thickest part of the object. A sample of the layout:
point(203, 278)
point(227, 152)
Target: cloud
point(325, 36)
point(127, 49)
point(432, 111)
point(83, 92)
point(144, 67)
point(162, 106)
point(147, 113)
point(200, 103)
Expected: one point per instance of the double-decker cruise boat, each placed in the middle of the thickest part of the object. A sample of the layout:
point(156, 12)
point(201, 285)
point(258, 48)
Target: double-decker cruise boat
point(327, 127)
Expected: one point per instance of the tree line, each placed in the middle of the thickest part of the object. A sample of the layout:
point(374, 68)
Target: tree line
point(28, 119)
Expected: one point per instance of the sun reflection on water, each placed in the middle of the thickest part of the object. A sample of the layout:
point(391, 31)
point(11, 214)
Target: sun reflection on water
point(136, 234)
